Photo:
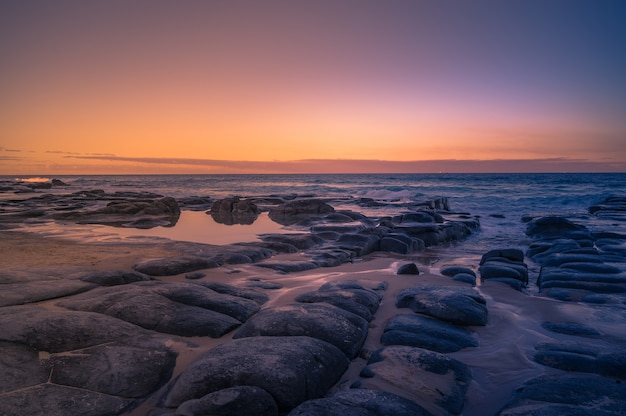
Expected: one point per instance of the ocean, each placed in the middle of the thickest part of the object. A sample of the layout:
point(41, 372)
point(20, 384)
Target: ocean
point(499, 200)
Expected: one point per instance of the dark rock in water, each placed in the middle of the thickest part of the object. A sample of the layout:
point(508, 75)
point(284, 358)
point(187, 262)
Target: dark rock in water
point(458, 305)
point(130, 371)
point(234, 210)
point(300, 241)
point(174, 265)
point(360, 402)
point(288, 266)
point(510, 281)
point(292, 212)
point(613, 207)
point(196, 203)
point(556, 227)
point(360, 244)
point(239, 400)
point(557, 259)
point(507, 253)
point(401, 243)
point(582, 358)
point(114, 277)
point(452, 271)
point(45, 399)
point(358, 300)
point(330, 257)
point(571, 328)
point(410, 372)
point(334, 325)
point(465, 278)
point(429, 333)
point(409, 268)
point(568, 395)
point(58, 182)
point(291, 369)
point(540, 250)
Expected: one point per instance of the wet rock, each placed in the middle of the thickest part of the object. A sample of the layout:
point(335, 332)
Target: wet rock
point(114, 277)
point(584, 358)
point(129, 371)
point(357, 299)
point(58, 331)
point(288, 266)
point(457, 305)
point(259, 297)
point(568, 394)
point(35, 291)
point(330, 257)
point(152, 308)
point(361, 244)
point(239, 400)
point(452, 271)
point(300, 241)
point(361, 402)
point(334, 325)
point(58, 182)
point(504, 265)
point(465, 278)
point(196, 203)
point(291, 369)
point(234, 210)
point(408, 268)
point(613, 207)
point(174, 265)
point(556, 227)
point(435, 381)
point(401, 243)
point(429, 333)
point(571, 328)
point(44, 399)
point(21, 367)
point(292, 212)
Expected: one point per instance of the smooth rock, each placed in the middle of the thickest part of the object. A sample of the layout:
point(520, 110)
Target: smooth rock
point(239, 400)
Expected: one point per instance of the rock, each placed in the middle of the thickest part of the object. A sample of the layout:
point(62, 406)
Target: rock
point(20, 367)
point(452, 271)
point(613, 207)
point(336, 326)
point(129, 371)
point(435, 381)
point(504, 265)
point(151, 308)
point(58, 182)
point(582, 358)
point(401, 243)
point(512, 254)
point(114, 277)
point(292, 212)
point(196, 203)
point(465, 278)
point(568, 394)
point(360, 244)
point(556, 227)
point(234, 210)
point(35, 291)
point(44, 399)
point(571, 328)
point(259, 297)
point(174, 266)
point(300, 241)
point(239, 400)
point(288, 266)
point(457, 305)
point(291, 369)
point(429, 333)
point(356, 299)
point(409, 268)
point(360, 402)
point(58, 331)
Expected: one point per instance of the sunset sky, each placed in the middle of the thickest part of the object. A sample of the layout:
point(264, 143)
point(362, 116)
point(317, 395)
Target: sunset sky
point(257, 86)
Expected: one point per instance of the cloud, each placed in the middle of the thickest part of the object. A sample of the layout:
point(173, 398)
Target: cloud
point(4, 149)
point(60, 152)
point(376, 166)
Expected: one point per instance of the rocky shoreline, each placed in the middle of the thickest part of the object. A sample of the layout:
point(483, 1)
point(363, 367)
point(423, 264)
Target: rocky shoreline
point(333, 318)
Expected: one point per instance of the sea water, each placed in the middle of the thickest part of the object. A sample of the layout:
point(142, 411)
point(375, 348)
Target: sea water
point(498, 200)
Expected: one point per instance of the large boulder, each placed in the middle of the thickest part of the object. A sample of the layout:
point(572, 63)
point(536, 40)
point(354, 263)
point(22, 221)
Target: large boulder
point(234, 210)
point(291, 369)
point(457, 305)
point(336, 326)
point(238, 400)
point(292, 212)
point(426, 332)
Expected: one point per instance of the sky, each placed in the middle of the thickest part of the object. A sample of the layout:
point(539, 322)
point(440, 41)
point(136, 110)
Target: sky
point(312, 86)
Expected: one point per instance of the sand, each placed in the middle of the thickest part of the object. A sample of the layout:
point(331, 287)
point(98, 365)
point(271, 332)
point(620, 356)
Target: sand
point(502, 362)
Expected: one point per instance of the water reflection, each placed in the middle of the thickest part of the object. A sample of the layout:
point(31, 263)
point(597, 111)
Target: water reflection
point(198, 227)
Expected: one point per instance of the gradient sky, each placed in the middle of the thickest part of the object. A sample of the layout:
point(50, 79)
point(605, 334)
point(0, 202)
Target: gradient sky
point(312, 86)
